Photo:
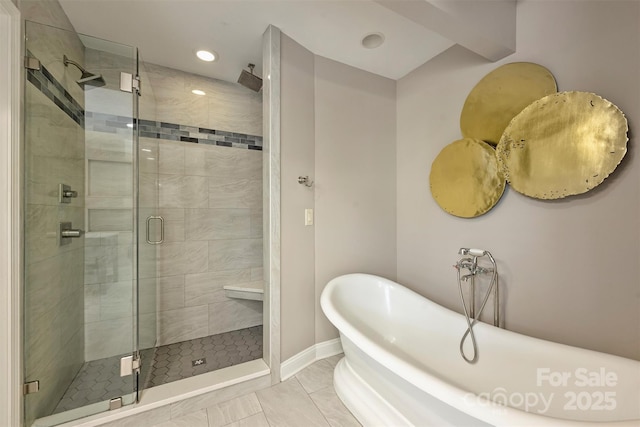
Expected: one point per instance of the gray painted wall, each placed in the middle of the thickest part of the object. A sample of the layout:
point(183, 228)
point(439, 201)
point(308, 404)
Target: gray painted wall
point(355, 175)
point(568, 267)
point(297, 143)
point(338, 126)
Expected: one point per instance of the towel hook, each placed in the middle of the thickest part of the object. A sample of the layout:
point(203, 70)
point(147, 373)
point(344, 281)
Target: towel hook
point(305, 180)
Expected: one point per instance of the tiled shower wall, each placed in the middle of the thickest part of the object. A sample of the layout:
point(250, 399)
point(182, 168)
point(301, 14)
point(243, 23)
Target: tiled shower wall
point(210, 180)
point(226, 106)
point(211, 199)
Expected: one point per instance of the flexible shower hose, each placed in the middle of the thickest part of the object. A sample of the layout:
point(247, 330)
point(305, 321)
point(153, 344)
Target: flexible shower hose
point(470, 323)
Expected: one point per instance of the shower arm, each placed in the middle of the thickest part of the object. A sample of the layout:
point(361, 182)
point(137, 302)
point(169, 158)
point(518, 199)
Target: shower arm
point(68, 61)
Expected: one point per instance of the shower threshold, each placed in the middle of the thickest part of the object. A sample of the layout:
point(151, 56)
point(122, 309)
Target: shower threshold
point(217, 386)
point(99, 380)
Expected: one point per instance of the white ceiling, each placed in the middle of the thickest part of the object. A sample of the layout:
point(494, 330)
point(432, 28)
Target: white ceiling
point(168, 32)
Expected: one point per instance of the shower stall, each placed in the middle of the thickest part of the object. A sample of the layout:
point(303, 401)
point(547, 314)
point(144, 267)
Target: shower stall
point(143, 225)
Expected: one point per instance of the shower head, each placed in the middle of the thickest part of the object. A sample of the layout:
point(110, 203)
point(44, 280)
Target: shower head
point(91, 80)
point(250, 80)
point(87, 78)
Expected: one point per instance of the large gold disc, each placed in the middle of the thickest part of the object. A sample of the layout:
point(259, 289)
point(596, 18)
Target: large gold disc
point(500, 96)
point(465, 178)
point(563, 144)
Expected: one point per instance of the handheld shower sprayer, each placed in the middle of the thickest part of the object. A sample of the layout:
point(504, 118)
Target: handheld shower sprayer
point(471, 264)
point(472, 252)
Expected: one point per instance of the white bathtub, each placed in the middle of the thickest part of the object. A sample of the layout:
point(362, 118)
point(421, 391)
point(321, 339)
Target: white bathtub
point(402, 367)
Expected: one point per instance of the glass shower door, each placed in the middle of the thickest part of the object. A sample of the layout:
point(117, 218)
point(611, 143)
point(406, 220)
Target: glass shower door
point(150, 232)
point(81, 293)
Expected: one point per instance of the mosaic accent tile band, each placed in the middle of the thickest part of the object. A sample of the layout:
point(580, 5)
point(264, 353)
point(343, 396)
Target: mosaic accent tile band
point(171, 131)
point(46, 83)
point(50, 87)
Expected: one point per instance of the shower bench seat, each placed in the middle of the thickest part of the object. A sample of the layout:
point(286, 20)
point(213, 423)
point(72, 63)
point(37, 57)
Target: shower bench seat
point(251, 291)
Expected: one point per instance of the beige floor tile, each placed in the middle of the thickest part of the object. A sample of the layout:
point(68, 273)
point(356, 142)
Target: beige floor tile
point(288, 405)
point(196, 419)
point(212, 398)
point(257, 420)
point(233, 410)
point(316, 376)
point(333, 409)
point(150, 418)
point(333, 360)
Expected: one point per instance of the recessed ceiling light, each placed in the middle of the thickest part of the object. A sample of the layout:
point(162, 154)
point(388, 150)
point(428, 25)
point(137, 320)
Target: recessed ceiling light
point(205, 55)
point(130, 125)
point(373, 40)
point(198, 92)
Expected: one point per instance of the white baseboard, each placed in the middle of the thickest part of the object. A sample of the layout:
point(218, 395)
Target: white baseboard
point(322, 350)
point(328, 348)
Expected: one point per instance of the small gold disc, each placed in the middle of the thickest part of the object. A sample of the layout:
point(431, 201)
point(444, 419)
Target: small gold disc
point(563, 144)
point(500, 96)
point(465, 178)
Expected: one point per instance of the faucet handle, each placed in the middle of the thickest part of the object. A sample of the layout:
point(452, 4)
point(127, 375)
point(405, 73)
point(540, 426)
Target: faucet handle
point(485, 270)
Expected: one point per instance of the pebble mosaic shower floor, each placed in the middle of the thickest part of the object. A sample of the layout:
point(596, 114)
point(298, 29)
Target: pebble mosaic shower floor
point(100, 380)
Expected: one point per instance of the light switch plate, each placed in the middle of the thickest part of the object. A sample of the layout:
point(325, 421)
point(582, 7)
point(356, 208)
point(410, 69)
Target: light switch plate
point(308, 217)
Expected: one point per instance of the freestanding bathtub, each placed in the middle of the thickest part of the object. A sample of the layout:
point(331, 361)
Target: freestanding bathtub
point(402, 367)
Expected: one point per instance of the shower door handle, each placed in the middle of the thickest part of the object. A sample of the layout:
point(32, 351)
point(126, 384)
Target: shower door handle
point(149, 219)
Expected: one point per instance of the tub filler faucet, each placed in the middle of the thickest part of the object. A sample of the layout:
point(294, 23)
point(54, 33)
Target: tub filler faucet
point(470, 263)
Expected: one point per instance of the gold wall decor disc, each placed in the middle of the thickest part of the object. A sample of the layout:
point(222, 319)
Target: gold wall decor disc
point(465, 178)
point(563, 144)
point(500, 96)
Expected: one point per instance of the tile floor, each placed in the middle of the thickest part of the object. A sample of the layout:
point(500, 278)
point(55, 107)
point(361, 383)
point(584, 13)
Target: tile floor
point(96, 381)
point(189, 358)
point(100, 380)
point(305, 400)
